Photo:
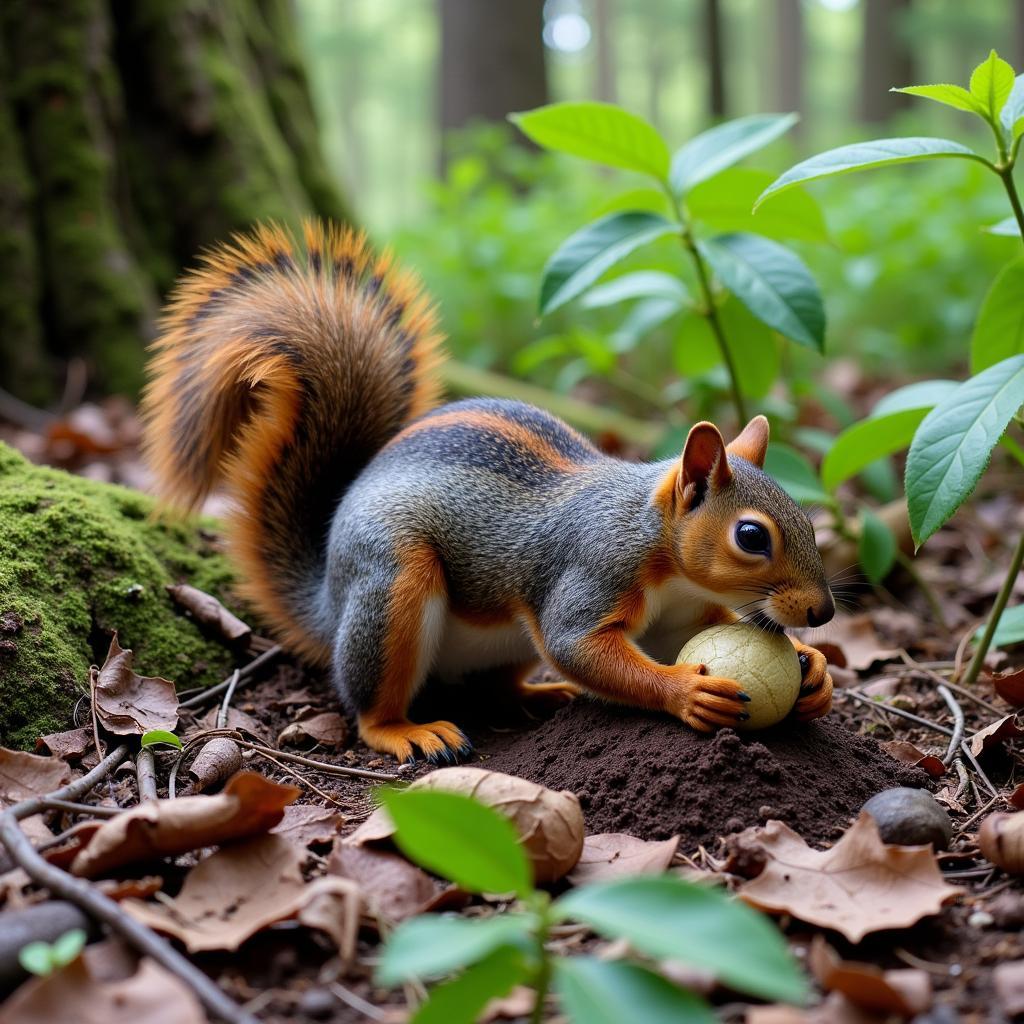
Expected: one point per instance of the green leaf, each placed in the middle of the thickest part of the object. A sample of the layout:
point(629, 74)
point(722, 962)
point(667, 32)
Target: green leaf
point(772, 282)
point(1010, 629)
point(601, 132)
point(753, 346)
point(860, 445)
point(641, 284)
point(460, 1000)
point(610, 992)
point(862, 155)
point(724, 145)
point(793, 472)
point(1007, 226)
point(1013, 109)
point(876, 547)
point(433, 944)
point(954, 443)
point(583, 257)
point(36, 959)
point(991, 84)
point(725, 202)
point(155, 736)
point(67, 947)
point(999, 330)
point(460, 839)
point(923, 394)
point(666, 917)
point(888, 429)
point(951, 95)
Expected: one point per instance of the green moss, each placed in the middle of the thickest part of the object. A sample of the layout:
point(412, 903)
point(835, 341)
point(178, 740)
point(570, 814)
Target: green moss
point(79, 559)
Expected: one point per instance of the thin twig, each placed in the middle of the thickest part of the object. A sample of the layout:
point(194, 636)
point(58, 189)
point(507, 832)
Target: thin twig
point(243, 673)
point(145, 773)
point(222, 715)
point(929, 672)
point(961, 773)
point(75, 808)
point(958, 723)
point(356, 1002)
point(899, 712)
point(86, 896)
point(965, 825)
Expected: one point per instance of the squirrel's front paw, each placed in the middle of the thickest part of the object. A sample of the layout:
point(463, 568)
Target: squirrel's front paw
point(816, 684)
point(706, 703)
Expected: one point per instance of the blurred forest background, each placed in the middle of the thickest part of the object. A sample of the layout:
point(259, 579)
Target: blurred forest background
point(134, 132)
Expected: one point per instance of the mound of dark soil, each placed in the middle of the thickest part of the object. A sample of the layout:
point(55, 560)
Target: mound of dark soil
point(648, 776)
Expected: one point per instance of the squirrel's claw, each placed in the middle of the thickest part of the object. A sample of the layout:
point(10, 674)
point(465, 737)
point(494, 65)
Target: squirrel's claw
point(816, 688)
point(711, 702)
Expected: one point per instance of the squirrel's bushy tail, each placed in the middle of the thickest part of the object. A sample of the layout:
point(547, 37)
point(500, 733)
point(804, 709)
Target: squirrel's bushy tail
point(280, 370)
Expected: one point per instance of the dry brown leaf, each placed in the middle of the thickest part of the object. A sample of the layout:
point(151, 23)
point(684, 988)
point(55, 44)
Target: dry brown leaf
point(249, 806)
point(1009, 983)
point(905, 992)
point(23, 776)
point(237, 719)
point(219, 759)
point(308, 825)
point(1016, 798)
point(70, 842)
point(1010, 686)
point(859, 886)
point(905, 751)
point(128, 704)
point(327, 727)
point(391, 886)
point(858, 641)
point(836, 1009)
point(995, 734)
point(614, 854)
point(550, 824)
point(130, 888)
point(69, 745)
point(209, 612)
point(152, 995)
point(303, 696)
point(246, 887)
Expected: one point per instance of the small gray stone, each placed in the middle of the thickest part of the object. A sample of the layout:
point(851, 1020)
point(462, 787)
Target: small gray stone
point(910, 817)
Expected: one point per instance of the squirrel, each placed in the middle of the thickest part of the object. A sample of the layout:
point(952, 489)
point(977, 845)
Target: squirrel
point(395, 539)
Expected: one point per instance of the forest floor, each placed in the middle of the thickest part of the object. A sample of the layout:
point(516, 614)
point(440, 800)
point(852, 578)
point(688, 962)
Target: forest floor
point(634, 773)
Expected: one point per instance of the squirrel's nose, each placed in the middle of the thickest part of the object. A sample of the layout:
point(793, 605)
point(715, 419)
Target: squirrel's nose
point(823, 613)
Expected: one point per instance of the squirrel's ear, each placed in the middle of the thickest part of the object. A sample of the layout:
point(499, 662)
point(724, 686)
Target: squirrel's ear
point(752, 442)
point(703, 464)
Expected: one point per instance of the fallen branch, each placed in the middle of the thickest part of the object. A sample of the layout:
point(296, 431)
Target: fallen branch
point(86, 896)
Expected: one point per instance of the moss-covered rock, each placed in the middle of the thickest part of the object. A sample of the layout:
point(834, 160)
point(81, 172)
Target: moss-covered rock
point(78, 560)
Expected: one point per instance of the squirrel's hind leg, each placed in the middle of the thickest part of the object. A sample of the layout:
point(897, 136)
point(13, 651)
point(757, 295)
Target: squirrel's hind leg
point(385, 643)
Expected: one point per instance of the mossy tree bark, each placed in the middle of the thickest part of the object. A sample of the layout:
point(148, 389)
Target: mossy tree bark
point(132, 134)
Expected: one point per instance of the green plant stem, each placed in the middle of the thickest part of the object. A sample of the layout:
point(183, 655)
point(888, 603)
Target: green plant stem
point(1006, 174)
point(543, 982)
point(710, 310)
point(974, 669)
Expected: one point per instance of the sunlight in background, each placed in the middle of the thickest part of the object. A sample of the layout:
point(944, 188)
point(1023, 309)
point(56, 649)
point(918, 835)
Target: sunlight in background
point(373, 70)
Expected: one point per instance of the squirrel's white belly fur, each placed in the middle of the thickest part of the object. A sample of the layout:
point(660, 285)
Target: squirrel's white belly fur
point(453, 647)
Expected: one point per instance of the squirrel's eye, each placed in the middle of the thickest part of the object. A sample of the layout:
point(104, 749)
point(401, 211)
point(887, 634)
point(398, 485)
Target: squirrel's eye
point(753, 538)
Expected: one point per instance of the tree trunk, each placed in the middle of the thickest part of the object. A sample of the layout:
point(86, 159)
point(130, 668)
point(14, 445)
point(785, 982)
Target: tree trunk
point(492, 60)
point(789, 46)
point(886, 59)
point(714, 46)
point(132, 134)
point(605, 88)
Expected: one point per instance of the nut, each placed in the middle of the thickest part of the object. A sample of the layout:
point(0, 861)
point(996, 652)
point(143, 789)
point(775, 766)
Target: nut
point(764, 664)
point(1001, 838)
point(910, 817)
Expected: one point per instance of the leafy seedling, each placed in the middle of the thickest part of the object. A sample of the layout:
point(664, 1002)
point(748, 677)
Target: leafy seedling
point(483, 958)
